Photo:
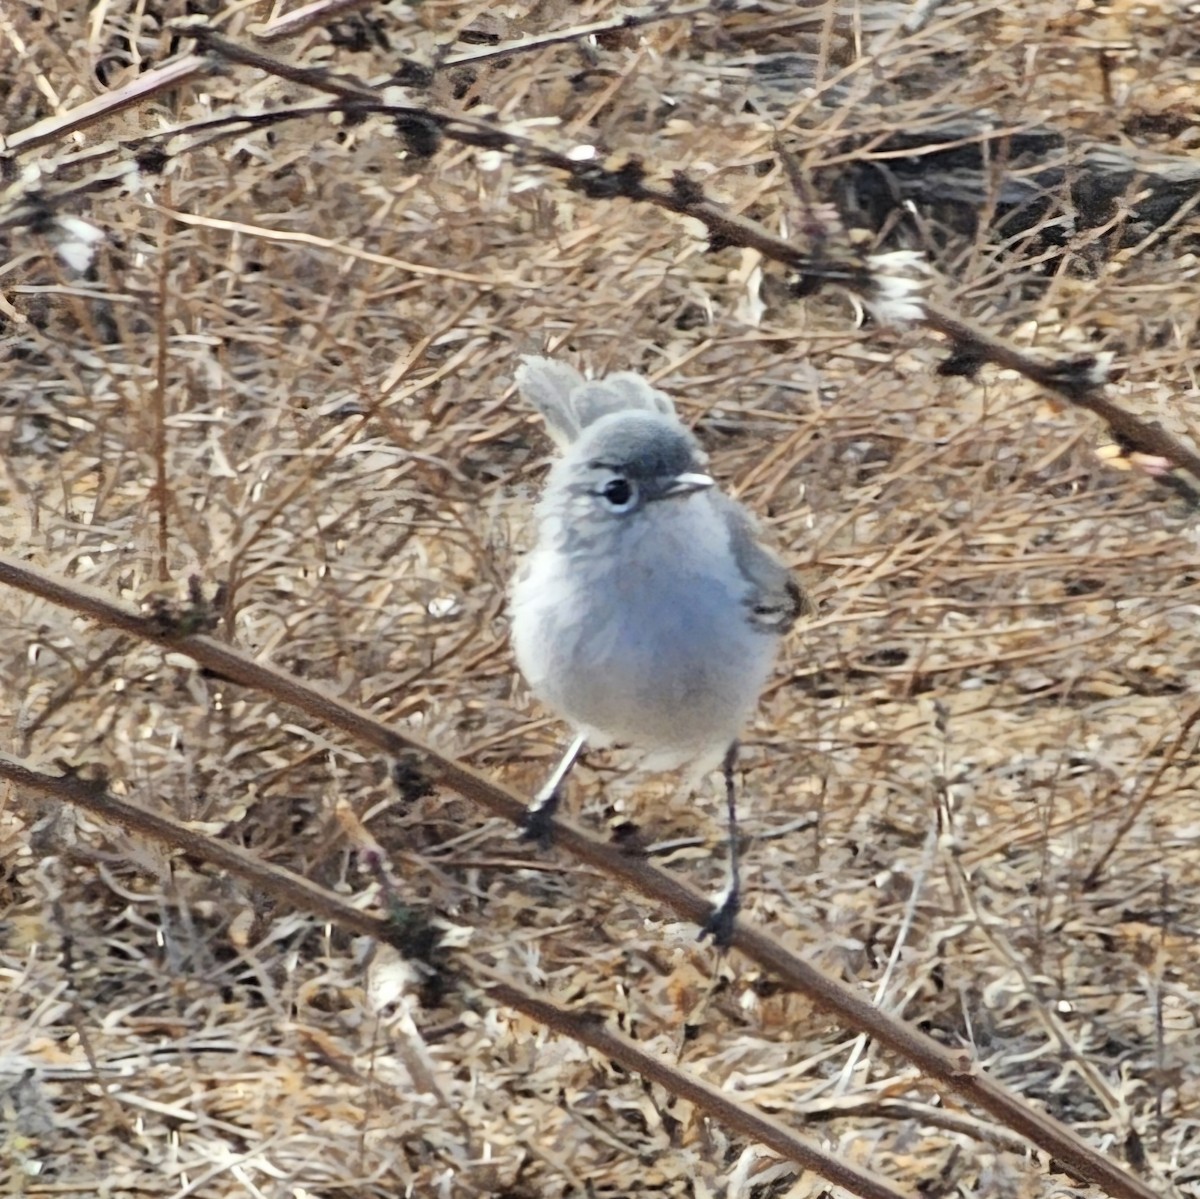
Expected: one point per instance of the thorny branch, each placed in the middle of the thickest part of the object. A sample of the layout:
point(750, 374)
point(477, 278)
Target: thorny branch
point(1078, 379)
point(302, 894)
point(954, 1069)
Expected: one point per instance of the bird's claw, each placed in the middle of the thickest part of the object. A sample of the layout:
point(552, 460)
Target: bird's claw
point(722, 921)
point(537, 824)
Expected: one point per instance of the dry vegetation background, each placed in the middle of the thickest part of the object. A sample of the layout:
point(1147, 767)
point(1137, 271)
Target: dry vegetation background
point(1006, 635)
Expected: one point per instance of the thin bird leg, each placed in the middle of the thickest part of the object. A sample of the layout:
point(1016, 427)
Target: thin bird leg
point(720, 924)
point(537, 823)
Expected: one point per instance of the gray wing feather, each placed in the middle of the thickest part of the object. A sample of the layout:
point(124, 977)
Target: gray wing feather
point(776, 598)
point(569, 403)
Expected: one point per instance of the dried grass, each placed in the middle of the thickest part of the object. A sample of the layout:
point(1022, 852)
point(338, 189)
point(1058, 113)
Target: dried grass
point(1005, 642)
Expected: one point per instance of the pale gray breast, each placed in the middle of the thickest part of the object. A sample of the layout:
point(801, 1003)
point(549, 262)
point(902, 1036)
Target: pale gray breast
point(651, 637)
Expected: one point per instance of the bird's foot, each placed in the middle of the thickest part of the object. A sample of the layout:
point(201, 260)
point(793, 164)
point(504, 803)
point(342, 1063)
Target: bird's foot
point(538, 822)
point(723, 919)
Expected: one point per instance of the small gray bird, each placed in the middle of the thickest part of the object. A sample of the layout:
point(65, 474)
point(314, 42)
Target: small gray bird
point(648, 614)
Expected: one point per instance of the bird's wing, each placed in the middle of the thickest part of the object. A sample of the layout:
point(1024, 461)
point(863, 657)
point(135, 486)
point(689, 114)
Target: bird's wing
point(776, 598)
point(569, 403)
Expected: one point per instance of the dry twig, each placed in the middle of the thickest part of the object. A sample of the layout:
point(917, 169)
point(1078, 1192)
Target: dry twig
point(954, 1070)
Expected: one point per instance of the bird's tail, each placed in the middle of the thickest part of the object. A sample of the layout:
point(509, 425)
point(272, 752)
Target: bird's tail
point(569, 403)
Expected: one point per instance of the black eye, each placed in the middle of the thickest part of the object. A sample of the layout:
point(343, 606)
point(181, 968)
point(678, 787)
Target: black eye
point(619, 493)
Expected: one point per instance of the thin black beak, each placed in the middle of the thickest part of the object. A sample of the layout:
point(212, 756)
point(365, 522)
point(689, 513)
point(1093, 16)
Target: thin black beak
point(686, 483)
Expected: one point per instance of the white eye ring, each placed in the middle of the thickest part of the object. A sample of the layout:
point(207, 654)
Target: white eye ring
point(619, 494)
